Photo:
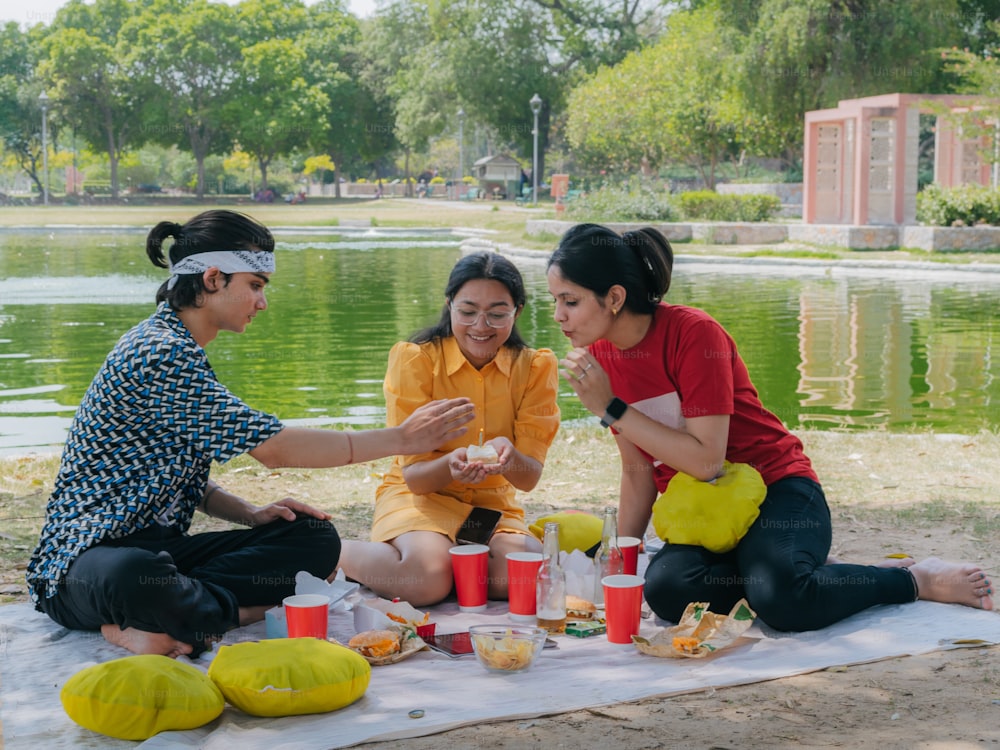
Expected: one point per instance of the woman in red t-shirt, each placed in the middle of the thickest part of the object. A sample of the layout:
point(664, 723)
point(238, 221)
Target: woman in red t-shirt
point(671, 381)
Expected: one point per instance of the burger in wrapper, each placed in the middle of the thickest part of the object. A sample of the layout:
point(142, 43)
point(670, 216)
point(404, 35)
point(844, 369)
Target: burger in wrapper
point(375, 643)
point(386, 646)
point(699, 633)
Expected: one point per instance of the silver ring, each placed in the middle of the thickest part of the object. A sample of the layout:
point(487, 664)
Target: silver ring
point(583, 374)
point(589, 365)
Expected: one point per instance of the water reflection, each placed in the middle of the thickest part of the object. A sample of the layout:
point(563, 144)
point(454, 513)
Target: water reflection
point(826, 348)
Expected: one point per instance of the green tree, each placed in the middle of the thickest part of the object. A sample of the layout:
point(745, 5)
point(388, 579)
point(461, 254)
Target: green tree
point(408, 79)
point(330, 43)
point(186, 54)
point(803, 55)
point(276, 110)
point(492, 56)
point(666, 104)
point(499, 57)
point(92, 89)
point(20, 115)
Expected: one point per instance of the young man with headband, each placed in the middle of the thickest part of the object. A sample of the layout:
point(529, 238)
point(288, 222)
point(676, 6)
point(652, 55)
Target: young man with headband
point(114, 552)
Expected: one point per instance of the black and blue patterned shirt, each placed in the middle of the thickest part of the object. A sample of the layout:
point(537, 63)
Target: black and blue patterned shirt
point(141, 445)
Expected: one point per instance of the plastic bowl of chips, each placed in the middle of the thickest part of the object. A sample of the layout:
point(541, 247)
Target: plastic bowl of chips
point(507, 648)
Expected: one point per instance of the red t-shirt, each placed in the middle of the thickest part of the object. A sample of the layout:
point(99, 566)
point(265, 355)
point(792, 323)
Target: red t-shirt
point(687, 366)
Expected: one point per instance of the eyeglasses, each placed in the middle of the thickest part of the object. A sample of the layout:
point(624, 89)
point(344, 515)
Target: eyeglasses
point(469, 316)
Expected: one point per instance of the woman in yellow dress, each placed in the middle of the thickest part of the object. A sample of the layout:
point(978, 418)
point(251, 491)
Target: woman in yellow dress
point(473, 351)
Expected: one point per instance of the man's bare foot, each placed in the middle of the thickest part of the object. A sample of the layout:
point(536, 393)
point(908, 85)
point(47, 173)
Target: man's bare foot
point(953, 583)
point(144, 642)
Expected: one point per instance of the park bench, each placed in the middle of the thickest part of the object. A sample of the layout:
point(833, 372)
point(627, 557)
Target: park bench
point(527, 193)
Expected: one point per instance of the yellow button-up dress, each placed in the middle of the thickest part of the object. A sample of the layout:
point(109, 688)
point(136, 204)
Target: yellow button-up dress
point(514, 396)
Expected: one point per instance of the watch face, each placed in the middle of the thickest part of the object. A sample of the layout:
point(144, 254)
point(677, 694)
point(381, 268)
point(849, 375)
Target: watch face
point(617, 408)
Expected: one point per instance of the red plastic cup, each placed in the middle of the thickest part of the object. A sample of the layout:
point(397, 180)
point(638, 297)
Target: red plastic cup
point(629, 545)
point(622, 606)
point(522, 575)
point(470, 567)
point(307, 615)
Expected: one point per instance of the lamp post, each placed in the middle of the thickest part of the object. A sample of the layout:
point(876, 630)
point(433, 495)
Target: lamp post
point(461, 145)
point(536, 107)
point(43, 101)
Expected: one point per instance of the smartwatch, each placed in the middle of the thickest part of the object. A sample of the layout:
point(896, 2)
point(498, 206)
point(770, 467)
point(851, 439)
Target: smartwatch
point(614, 411)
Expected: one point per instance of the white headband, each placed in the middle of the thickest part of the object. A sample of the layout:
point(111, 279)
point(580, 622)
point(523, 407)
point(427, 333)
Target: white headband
point(227, 261)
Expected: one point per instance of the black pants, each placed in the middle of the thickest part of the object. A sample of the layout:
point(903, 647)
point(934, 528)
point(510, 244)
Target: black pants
point(191, 587)
point(779, 566)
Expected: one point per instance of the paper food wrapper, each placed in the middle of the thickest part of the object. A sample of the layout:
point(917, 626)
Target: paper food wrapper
point(336, 591)
point(699, 633)
point(382, 614)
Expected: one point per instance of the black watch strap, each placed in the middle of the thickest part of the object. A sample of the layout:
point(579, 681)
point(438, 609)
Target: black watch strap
point(614, 411)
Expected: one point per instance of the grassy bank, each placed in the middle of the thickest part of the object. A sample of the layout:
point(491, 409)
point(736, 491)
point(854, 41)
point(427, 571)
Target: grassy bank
point(916, 493)
point(503, 219)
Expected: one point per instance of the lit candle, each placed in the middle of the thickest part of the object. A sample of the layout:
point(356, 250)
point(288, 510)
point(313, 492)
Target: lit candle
point(485, 454)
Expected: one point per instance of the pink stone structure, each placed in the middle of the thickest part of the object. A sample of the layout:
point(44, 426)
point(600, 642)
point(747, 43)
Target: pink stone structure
point(860, 164)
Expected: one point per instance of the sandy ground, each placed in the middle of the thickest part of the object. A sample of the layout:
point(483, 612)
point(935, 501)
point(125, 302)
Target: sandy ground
point(920, 494)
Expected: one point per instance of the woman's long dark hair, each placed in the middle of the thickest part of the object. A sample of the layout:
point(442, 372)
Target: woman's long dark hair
point(208, 231)
point(597, 258)
point(481, 265)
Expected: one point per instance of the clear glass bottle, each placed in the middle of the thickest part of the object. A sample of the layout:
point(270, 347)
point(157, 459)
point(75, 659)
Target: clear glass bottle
point(550, 591)
point(608, 560)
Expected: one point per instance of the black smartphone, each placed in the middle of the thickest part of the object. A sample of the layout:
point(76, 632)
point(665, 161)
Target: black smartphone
point(450, 644)
point(478, 526)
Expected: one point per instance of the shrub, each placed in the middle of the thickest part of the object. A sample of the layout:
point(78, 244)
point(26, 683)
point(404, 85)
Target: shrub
point(966, 205)
point(708, 205)
point(633, 202)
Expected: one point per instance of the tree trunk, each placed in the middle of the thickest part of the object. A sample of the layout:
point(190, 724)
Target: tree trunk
point(200, 190)
point(336, 178)
point(200, 139)
point(109, 128)
point(262, 163)
point(406, 173)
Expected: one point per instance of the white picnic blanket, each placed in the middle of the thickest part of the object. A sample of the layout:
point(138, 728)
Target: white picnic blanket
point(37, 657)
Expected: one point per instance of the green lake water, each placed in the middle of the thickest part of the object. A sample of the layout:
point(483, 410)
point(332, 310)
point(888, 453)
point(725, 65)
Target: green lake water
point(826, 347)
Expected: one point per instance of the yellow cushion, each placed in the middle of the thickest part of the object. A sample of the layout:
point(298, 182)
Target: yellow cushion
point(577, 530)
point(289, 676)
point(714, 515)
point(135, 697)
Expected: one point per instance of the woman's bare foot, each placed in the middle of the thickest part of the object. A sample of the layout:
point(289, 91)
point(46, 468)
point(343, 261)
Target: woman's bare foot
point(953, 583)
point(144, 642)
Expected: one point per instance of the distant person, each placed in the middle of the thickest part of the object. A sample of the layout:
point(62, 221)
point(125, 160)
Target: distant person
point(115, 554)
point(474, 351)
point(670, 383)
